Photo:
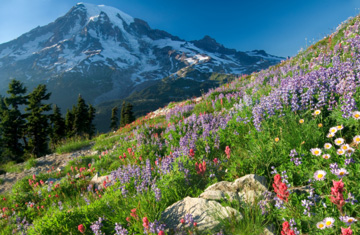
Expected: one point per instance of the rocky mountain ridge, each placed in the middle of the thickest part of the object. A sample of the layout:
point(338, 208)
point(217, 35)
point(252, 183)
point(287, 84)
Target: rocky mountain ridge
point(105, 55)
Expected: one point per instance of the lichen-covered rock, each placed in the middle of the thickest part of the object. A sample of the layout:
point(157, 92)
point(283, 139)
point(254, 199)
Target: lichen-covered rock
point(207, 214)
point(219, 195)
point(244, 189)
point(251, 182)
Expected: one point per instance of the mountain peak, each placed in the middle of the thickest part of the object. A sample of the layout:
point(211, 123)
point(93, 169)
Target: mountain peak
point(94, 11)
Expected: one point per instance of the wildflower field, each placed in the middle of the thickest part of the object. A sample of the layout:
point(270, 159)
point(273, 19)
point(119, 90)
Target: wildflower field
point(297, 124)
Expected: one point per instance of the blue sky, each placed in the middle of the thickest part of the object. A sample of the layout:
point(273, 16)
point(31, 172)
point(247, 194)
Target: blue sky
point(279, 27)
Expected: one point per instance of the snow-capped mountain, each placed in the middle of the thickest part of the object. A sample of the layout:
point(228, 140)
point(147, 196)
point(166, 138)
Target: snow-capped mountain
point(105, 54)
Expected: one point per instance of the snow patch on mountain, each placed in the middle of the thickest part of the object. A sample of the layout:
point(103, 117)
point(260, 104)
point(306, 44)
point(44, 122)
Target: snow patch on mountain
point(115, 15)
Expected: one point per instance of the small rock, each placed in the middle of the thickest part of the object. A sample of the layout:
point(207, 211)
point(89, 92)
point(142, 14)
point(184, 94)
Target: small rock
point(60, 168)
point(269, 230)
point(98, 180)
point(51, 180)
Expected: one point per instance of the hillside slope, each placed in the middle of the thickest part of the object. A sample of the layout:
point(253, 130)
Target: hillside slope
point(296, 124)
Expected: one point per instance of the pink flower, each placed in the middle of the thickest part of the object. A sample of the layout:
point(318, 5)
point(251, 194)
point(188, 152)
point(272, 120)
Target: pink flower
point(146, 222)
point(161, 233)
point(227, 152)
point(81, 228)
point(191, 153)
point(346, 231)
point(182, 221)
point(280, 188)
point(286, 229)
point(200, 168)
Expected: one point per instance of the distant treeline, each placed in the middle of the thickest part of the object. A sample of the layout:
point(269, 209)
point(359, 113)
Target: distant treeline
point(36, 131)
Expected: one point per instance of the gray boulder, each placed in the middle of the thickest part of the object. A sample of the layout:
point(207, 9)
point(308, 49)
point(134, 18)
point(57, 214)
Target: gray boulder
point(244, 189)
point(207, 214)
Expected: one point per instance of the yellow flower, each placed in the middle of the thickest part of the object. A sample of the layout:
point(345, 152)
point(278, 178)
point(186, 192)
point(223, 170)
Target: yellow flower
point(301, 121)
point(320, 125)
point(277, 139)
point(340, 127)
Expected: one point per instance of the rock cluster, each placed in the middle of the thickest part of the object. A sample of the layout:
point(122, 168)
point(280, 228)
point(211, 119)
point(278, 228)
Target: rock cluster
point(208, 212)
point(43, 164)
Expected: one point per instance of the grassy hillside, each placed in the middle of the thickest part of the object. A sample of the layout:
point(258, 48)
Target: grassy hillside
point(296, 123)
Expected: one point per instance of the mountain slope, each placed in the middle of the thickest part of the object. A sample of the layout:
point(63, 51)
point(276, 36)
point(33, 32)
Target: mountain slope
point(105, 54)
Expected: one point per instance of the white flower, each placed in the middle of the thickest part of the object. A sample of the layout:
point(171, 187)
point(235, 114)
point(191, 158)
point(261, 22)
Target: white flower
point(340, 152)
point(319, 175)
point(340, 127)
point(341, 172)
point(333, 130)
point(329, 222)
point(345, 147)
point(339, 141)
point(321, 225)
point(348, 220)
point(350, 151)
point(316, 151)
point(317, 112)
point(330, 135)
point(356, 139)
point(356, 115)
point(326, 156)
point(327, 146)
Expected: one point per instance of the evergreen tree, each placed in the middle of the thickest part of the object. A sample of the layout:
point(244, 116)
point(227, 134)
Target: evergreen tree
point(81, 120)
point(69, 122)
point(13, 122)
point(122, 116)
point(128, 115)
point(57, 124)
point(90, 125)
point(114, 119)
point(38, 126)
point(2, 108)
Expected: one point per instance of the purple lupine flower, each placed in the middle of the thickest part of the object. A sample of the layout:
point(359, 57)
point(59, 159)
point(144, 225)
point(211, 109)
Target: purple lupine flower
point(351, 199)
point(60, 206)
point(279, 204)
point(156, 227)
point(348, 161)
point(120, 230)
point(189, 219)
point(273, 170)
point(87, 201)
point(333, 167)
point(306, 203)
point(219, 233)
point(96, 227)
